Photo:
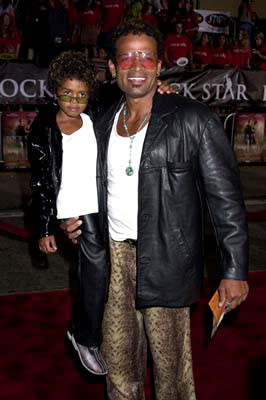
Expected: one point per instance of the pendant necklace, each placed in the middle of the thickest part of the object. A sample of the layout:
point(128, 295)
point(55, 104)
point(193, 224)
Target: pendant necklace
point(129, 169)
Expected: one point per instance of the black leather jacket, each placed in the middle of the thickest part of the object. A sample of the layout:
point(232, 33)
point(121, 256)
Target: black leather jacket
point(186, 159)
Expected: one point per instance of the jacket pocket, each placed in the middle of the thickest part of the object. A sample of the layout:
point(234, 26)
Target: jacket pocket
point(182, 250)
point(182, 166)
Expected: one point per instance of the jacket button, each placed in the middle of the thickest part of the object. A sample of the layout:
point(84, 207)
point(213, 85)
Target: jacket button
point(145, 217)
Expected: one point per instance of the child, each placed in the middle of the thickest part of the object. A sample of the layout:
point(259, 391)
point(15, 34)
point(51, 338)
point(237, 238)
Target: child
point(62, 153)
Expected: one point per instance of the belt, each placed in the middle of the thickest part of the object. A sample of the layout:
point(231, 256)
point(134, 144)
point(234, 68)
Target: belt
point(131, 242)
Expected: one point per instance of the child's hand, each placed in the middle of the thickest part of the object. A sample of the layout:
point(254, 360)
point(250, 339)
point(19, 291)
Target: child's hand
point(164, 87)
point(48, 244)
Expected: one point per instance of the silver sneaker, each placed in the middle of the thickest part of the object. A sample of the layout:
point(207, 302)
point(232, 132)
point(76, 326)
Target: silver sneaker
point(90, 357)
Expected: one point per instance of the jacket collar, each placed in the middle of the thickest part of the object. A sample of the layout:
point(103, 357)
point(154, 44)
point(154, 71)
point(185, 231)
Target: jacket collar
point(104, 122)
point(163, 105)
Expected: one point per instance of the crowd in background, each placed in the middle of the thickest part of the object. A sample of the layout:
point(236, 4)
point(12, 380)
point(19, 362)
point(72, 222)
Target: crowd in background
point(37, 30)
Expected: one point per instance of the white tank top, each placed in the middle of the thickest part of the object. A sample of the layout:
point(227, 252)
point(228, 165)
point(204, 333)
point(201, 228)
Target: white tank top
point(123, 189)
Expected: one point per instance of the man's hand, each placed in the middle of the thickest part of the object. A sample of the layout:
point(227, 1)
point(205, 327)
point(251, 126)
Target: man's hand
point(164, 87)
point(48, 244)
point(232, 293)
point(70, 227)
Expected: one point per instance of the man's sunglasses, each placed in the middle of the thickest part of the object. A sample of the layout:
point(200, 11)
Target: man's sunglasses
point(68, 99)
point(127, 60)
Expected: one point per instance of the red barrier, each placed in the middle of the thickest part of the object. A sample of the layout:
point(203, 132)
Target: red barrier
point(14, 230)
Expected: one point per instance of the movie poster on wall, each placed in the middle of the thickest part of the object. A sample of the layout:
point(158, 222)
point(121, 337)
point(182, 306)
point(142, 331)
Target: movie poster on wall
point(15, 128)
point(249, 137)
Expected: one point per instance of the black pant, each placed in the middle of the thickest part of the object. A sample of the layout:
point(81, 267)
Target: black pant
point(87, 318)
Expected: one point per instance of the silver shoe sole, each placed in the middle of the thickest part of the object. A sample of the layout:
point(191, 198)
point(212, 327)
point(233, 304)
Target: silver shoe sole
point(73, 341)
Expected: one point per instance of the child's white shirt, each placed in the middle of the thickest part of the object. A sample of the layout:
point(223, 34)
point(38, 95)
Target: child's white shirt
point(78, 191)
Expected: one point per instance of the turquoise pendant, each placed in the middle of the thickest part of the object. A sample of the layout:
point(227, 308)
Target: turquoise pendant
point(129, 171)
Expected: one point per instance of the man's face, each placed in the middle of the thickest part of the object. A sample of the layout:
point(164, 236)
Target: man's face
point(187, 6)
point(137, 65)
point(221, 40)
point(258, 41)
point(179, 29)
point(205, 38)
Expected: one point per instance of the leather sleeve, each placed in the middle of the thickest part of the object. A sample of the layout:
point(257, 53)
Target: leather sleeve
point(43, 193)
point(221, 182)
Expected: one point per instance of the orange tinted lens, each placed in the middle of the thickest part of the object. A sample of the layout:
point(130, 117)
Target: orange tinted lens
point(125, 61)
point(147, 60)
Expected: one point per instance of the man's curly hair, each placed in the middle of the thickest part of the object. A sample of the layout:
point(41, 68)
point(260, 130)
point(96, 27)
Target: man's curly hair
point(133, 26)
point(70, 65)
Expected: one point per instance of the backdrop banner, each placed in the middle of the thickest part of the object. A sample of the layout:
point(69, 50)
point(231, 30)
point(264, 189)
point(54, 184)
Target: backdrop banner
point(25, 83)
point(218, 87)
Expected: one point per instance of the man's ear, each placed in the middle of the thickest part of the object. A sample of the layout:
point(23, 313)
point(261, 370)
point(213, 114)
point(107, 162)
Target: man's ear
point(159, 66)
point(112, 68)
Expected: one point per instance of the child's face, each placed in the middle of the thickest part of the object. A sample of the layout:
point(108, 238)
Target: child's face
point(73, 97)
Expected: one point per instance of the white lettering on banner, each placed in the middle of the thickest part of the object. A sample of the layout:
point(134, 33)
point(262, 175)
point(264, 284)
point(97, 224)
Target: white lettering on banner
point(218, 86)
point(43, 89)
point(216, 19)
point(219, 91)
point(9, 82)
point(206, 90)
point(241, 90)
point(10, 88)
point(22, 87)
point(187, 92)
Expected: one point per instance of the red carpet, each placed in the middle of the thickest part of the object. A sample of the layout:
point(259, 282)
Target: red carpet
point(35, 363)
point(15, 230)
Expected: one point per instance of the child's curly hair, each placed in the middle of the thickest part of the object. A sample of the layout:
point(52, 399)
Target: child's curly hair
point(70, 65)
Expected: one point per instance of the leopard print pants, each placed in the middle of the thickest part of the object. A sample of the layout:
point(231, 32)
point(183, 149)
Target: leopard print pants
point(126, 332)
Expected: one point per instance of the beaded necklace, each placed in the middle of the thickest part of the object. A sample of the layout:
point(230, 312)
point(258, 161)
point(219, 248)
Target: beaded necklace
point(129, 169)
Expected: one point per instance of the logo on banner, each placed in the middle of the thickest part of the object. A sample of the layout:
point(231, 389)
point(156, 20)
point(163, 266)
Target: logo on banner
point(200, 18)
point(217, 20)
point(213, 21)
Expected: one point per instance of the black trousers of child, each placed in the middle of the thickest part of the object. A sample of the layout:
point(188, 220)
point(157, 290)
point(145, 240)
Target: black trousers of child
point(92, 270)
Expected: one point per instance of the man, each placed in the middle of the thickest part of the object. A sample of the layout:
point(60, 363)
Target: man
point(113, 11)
point(177, 46)
point(158, 157)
